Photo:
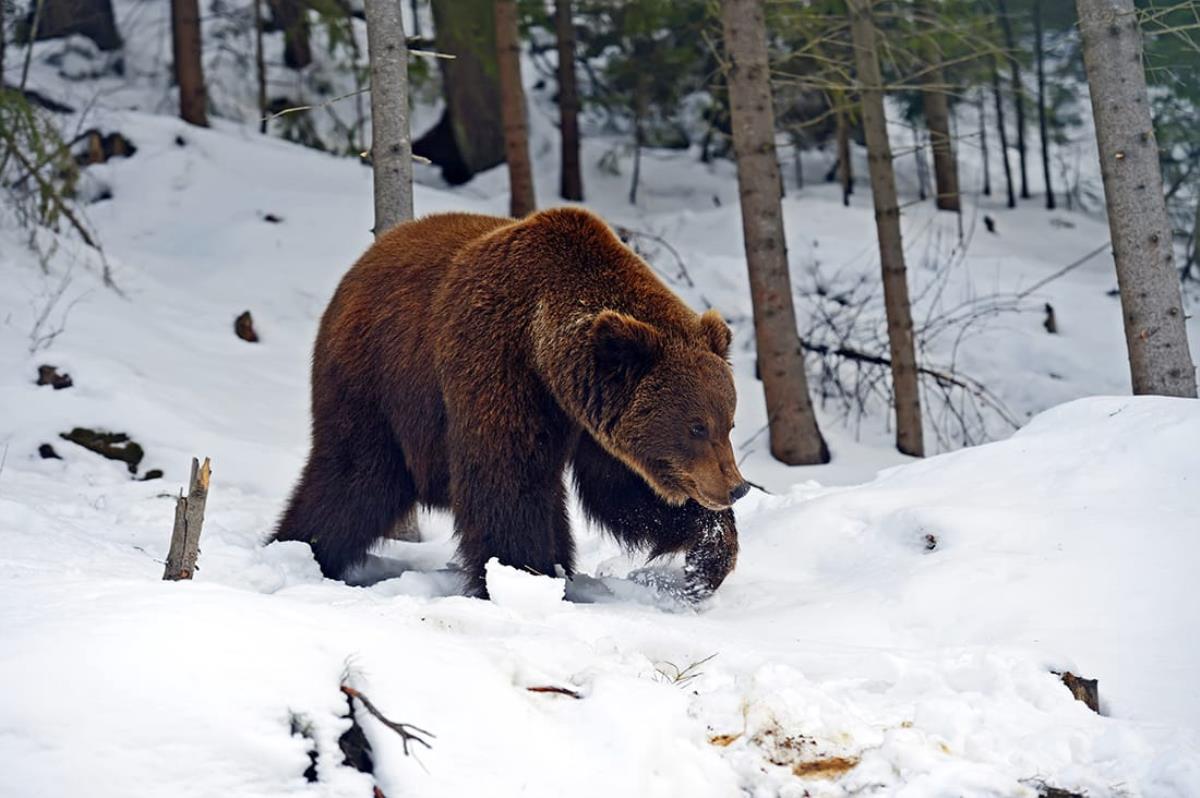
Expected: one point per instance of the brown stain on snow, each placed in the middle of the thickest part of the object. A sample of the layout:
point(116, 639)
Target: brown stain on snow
point(828, 768)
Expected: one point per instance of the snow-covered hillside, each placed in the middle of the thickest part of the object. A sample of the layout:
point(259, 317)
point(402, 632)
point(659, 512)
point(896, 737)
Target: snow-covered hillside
point(882, 635)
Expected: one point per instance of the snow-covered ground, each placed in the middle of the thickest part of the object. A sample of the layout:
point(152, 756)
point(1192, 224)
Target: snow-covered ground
point(893, 634)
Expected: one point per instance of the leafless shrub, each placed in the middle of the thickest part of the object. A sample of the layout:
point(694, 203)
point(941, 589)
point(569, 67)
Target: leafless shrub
point(49, 311)
point(850, 366)
point(39, 177)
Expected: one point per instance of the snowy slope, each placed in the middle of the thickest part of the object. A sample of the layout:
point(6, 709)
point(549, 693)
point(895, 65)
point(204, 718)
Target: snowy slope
point(1069, 546)
point(844, 656)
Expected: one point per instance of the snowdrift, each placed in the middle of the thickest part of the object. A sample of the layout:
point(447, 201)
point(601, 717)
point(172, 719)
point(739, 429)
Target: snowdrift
point(892, 638)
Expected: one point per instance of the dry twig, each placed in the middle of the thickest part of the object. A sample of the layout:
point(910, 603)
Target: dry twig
point(408, 732)
point(555, 690)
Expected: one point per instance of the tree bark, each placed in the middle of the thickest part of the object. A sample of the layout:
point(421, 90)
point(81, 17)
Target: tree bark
point(260, 66)
point(983, 148)
point(1155, 331)
point(291, 16)
point(1043, 131)
point(922, 166)
point(571, 183)
point(1194, 253)
point(512, 110)
point(936, 106)
point(905, 378)
point(469, 138)
point(1018, 88)
point(391, 144)
point(792, 424)
point(639, 109)
point(189, 68)
point(1008, 179)
point(844, 166)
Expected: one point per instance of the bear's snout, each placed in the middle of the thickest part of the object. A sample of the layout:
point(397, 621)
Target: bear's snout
point(716, 482)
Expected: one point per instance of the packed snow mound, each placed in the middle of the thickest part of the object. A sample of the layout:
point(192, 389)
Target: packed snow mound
point(895, 638)
point(520, 590)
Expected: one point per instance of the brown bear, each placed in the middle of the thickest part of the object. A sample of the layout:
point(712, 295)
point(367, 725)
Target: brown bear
point(465, 361)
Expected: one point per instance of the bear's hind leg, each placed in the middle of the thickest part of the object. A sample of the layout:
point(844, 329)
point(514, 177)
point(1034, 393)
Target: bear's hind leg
point(352, 492)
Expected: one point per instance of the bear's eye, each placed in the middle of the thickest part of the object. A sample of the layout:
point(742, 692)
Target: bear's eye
point(699, 431)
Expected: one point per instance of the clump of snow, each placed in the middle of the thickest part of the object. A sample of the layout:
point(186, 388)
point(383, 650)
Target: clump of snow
point(520, 590)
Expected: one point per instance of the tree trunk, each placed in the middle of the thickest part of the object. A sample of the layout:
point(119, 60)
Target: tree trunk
point(844, 167)
point(1155, 331)
point(469, 138)
point(571, 183)
point(1018, 88)
point(1043, 132)
point(189, 69)
point(1008, 180)
point(91, 18)
point(792, 424)
point(512, 111)
point(936, 106)
point(922, 166)
point(983, 147)
point(391, 144)
point(260, 66)
point(291, 16)
point(639, 108)
point(905, 378)
point(1194, 250)
point(3, 40)
point(798, 160)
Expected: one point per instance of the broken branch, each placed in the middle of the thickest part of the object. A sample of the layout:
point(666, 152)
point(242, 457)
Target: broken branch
point(407, 731)
point(189, 518)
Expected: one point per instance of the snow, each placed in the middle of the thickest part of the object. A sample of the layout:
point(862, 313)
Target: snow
point(521, 591)
point(892, 627)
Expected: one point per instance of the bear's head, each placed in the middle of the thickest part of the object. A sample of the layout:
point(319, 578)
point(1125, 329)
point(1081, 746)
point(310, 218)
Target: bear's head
point(677, 406)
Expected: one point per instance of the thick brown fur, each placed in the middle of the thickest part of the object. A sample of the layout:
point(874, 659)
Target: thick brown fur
point(465, 361)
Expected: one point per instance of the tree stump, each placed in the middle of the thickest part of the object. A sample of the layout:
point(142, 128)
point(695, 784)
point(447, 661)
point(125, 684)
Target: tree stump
point(189, 518)
point(1085, 690)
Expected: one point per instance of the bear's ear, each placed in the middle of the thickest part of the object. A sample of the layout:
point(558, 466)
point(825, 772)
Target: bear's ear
point(624, 342)
point(716, 333)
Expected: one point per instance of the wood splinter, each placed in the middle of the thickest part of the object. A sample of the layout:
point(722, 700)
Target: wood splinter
point(189, 518)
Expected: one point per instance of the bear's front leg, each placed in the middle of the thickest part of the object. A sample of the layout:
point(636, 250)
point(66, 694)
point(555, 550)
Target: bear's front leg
point(711, 555)
point(612, 495)
point(508, 499)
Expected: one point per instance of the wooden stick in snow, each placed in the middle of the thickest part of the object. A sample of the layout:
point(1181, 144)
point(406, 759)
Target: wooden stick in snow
point(189, 518)
point(408, 732)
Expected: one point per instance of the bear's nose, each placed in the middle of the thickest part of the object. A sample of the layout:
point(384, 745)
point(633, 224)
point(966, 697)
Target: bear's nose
point(739, 492)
